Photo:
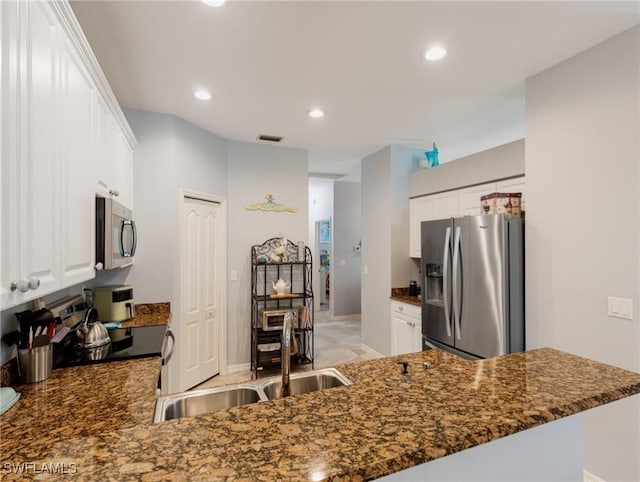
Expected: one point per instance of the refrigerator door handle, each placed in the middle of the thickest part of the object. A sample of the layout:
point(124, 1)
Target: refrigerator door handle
point(454, 288)
point(445, 280)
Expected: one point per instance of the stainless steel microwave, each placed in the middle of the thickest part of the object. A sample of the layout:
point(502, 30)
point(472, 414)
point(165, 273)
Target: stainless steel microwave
point(116, 237)
point(274, 319)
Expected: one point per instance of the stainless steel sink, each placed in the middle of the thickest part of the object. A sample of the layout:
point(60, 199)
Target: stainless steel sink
point(196, 402)
point(188, 404)
point(307, 382)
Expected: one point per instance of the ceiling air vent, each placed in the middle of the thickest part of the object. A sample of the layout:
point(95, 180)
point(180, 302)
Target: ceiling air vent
point(264, 137)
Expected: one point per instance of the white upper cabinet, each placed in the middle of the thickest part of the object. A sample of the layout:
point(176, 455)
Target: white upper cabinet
point(420, 209)
point(77, 167)
point(426, 208)
point(446, 204)
point(470, 198)
point(51, 88)
point(451, 204)
point(31, 175)
point(517, 184)
point(124, 161)
point(114, 156)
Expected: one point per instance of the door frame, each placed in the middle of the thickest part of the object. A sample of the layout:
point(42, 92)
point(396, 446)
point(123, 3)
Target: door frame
point(318, 284)
point(221, 277)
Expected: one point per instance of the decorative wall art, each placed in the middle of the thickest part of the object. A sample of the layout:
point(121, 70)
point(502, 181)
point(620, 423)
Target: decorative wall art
point(325, 232)
point(270, 206)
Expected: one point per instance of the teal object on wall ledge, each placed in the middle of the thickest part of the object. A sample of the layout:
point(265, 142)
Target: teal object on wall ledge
point(432, 157)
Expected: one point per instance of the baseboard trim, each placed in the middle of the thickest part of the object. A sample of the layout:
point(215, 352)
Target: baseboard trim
point(589, 477)
point(242, 367)
point(371, 351)
point(355, 316)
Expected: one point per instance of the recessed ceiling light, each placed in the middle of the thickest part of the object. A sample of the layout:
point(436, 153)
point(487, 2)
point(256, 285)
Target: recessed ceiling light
point(202, 94)
point(435, 53)
point(214, 3)
point(316, 113)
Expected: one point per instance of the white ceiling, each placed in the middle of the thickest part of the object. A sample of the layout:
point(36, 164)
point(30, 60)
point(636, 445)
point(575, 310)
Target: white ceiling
point(267, 63)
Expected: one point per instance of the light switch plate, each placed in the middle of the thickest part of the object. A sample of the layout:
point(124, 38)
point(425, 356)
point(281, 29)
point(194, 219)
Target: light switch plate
point(620, 308)
point(233, 275)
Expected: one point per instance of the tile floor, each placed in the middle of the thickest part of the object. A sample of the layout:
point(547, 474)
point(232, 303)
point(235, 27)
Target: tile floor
point(336, 342)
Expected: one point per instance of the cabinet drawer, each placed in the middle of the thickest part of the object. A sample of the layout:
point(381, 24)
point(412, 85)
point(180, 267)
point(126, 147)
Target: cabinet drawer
point(406, 309)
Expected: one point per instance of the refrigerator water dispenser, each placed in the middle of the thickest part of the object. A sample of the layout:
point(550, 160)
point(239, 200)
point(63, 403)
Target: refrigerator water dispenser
point(433, 282)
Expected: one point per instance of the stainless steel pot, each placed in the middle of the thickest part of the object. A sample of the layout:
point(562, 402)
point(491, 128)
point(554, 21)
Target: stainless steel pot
point(92, 333)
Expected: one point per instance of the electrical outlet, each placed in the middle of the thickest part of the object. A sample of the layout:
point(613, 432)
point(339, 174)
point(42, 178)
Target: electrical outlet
point(233, 275)
point(620, 308)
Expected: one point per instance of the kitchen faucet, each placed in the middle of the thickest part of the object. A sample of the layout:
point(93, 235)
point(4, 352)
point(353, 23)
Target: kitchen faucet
point(287, 327)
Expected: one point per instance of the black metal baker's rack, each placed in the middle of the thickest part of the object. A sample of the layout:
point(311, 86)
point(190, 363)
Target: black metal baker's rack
point(294, 265)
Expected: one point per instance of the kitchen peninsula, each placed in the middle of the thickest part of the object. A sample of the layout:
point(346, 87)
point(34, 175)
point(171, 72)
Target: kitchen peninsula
point(98, 418)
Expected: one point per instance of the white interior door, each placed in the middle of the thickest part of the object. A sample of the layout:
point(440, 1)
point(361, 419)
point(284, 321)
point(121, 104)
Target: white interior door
point(199, 293)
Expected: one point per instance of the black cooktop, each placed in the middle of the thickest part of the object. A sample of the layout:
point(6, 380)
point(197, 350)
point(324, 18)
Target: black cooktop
point(126, 344)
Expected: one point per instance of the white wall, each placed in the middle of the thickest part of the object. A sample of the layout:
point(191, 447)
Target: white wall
point(376, 249)
point(385, 228)
point(504, 161)
point(156, 206)
point(320, 208)
point(403, 162)
point(171, 155)
point(583, 228)
point(320, 204)
point(255, 170)
point(346, 272)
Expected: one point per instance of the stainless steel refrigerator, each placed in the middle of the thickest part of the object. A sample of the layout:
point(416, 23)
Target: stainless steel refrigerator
point(473, 285)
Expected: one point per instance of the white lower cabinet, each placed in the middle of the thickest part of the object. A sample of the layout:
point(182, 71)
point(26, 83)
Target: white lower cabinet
point(406, 328)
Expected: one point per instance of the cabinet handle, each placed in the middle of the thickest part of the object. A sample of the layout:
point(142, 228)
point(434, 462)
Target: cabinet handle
point(20, 286)
point(114, 193)
point(24, 285)
point(400, 308)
